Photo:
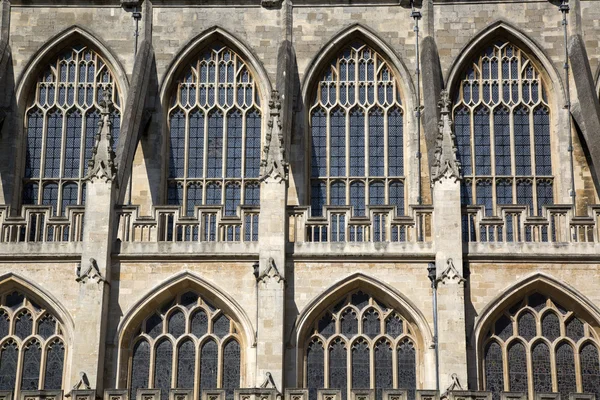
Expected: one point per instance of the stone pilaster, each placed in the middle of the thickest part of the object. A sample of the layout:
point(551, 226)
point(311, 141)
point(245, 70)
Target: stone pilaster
point(272, 237)
point(92, 279)
point(448, 245)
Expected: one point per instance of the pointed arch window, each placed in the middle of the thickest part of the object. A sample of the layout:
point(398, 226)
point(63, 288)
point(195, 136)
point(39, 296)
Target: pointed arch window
point(360, 343)
point(61, 121)
point(357, 130)
point(538, 346)
point(193, 345)
point(33, 340)
point(215, 126)
point(502, 124)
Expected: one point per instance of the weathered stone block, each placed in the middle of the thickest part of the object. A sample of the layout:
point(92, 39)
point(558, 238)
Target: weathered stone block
point(362, 394)
point(296, 394)
point(83, 394)
point(148, 394)
point(116, 394)
point(329, 394)
point(213, 394)
point(428, 395)
point(41, 395)
point(397, 394)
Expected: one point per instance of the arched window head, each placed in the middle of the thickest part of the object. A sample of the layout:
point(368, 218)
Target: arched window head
point(32, 339)
point(518, 348)
point(215, 126)
point(502, 124)
point(61, 121)
point(183, 330)
point(356, 122)
point(361, 329)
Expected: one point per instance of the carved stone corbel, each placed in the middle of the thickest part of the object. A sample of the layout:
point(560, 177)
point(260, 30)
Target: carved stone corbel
point(450, 274)
point(271, 272)
point(91, 273)
point(273, 166)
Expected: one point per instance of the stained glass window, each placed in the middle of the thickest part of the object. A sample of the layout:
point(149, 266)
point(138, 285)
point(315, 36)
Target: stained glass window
point(55, 358)
point(506, 347)
point(202, 332)
point(32, 357)
point(61, 118)
point(216, 94)
point(502, 98)
point(356, 123)
point(360, 320)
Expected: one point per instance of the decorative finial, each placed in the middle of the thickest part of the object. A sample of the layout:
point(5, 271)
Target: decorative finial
point(102, 164)
point(446, 164)
point(273, 164)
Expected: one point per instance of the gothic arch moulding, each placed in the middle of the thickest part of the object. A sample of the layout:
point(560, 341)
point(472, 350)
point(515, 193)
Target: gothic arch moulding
point(342, 38)
point(198, 43)
point(332, 295)
point(162, 293)
point(70, 36)
point(546, 285)
point(502, 29)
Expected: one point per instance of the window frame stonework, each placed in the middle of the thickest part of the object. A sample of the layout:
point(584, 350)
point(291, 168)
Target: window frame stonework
point(334, 78)
point(194, 80)
point(538, 306)
point(485, 72)
point(336, 312)
point(15, 304)
point(81, 93)
point(182, 304)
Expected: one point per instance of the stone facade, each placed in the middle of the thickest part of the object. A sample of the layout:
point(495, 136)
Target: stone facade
point(273, 279)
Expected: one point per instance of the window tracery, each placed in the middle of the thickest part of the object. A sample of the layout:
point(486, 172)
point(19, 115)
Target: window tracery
point(31, 345)
point(215, 127)
point(377, 353)
point(356, 123)
point(502, 124)
point(538, 346)
point(61, 123)
point(173, 335)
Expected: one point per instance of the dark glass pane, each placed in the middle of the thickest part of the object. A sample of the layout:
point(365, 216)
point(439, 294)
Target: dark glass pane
point(213, 194)
point(154, 325)
point(541, 130)
point(326, 326)
point(397, 196)
point(462, 128)
point(221, 326)
point(69, 196)
point(502, 141)
point(526, 325)
point(233, 199)
point(376, 194)
point(395, 143)
point(407, 368)
point(163, 369)
point(483, 162)
point(186, 365)
point(337, 131)
point(35, 135)
point(522, 141)
point(545, 194)
point(195, 146)
point(550, 326)
point(47, 326)
point(194, 198)
point(504, 191)
point(252, 195)
point(177, 324)
point(189, 299)
point(494, 374)
point(361, 365)
point(4, 325)
point(394, 326)
point(517, 368)
point(349, 323)
point(199, 324)
point(542, 373)
point(338, 373)
point(253, 128)
point(574, 329)
point(376, 143)
point(357, 143)
point(357, 198)
point(8, 365)
point(50, 196)
point(338, 194)
point(384, 377)
point(525, 194)
point(315, 375)
point(360, 300)
point(234, 144)
point(53, 144)
point(318, 198)
point(565, 370)
point(14, 300)
point(590, 369)
point(91, 127)
point(55, 358)
point(23, 325)
point(231, 368)
point(371, 323)
point(30, 193)
point(504, 327)
point(484, 195)
point(208, 365)
point(32, 356)
point(175, 194)
point(319, 143)
point(73, 144)
point(215, 145)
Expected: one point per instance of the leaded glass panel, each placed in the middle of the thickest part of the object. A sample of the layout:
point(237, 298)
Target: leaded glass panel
point(407, 367)
point(62, 118)
point(199, 323)
point(574, 329)
point(356, 125)
point(8, 365)
point(32, 356)
point(371, 323)
point(550, 326)
point(55, 358)
point(542, 373)
point(527, 326)
point(349, 323)
point(163, 368)
point(140, 367)
point(361, 365)
point(565, 370)
point(338, 375)
point(23, 325)
point(221, 326)
point(384, 376)
point(186, 365)
point(209, 363)
point(494, 374)
point(231, 368)
point(517, 368)
point(47, 326)
point(177, 324)
point(315, 368)
point(590, 369)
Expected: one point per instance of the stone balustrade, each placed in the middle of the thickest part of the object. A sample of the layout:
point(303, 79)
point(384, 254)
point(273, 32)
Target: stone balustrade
point(39, 224)
point(380, 224)
point(168, 224)
point(557, 224)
